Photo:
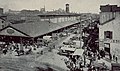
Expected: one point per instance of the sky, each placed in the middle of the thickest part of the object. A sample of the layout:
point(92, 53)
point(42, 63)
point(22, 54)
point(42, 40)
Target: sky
point(80, 6)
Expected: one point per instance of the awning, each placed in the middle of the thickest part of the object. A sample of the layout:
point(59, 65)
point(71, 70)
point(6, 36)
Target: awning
point(47, 37)
point(68, 49)
point(100, 65)
point(78, 52)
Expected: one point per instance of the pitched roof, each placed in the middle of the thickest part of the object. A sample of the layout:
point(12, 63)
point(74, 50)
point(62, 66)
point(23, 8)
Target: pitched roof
point(38, 28)
point(14, 29)
point(67, 23)
point(35, 29)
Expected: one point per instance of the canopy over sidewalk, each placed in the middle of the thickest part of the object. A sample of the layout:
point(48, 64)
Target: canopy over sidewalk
point(68, 49)
point(78, 52)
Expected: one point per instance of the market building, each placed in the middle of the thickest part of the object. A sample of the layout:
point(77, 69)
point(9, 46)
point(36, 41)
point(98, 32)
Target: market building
point(32, 30)
point(109, 28)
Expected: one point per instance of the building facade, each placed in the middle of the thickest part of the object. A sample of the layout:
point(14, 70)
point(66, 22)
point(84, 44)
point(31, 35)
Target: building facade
point(109, 28)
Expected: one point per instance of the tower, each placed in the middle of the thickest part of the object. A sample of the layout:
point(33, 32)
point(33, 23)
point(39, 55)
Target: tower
point(67, 8)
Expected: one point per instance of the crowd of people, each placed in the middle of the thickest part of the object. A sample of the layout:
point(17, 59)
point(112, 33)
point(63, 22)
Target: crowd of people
point(74, 63)
point(17, 48)
point(94, 58)
point(78, 63)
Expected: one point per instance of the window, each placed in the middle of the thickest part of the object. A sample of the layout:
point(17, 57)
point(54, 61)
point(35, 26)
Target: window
point(108, 34)
point(107, 47)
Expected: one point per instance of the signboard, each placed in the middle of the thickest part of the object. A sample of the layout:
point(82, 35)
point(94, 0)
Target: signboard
point(110, 41)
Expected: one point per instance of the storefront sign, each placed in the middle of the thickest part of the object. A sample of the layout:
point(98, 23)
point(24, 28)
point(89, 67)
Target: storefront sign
point(110, 41)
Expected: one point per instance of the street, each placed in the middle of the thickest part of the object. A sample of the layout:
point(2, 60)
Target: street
point(59, 35)
point(29, 62)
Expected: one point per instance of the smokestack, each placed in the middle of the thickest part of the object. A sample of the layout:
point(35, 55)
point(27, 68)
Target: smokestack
point(67, 8)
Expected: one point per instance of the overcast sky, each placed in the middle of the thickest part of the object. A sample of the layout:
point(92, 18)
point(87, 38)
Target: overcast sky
point(75, 5)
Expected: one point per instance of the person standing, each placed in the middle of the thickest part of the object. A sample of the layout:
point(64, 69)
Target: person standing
point(4, 51)
point(90, 61)
point(116, 58)
point(98, 57)
point(71, 65)
point(110, 56)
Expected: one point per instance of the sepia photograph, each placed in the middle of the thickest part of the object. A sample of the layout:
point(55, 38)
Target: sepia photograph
point(59, 35)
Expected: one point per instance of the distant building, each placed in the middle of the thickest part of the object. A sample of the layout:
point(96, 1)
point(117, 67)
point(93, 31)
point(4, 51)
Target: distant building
point(29, 12)
point(1, 11)
point(67, 8)
point(21, 16)
point(42, 10)
point(109, 29)
point(3, 22)
point(13, 12)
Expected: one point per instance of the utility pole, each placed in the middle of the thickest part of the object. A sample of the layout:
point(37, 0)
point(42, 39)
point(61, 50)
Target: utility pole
point(81, 42)
point(80, 31)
